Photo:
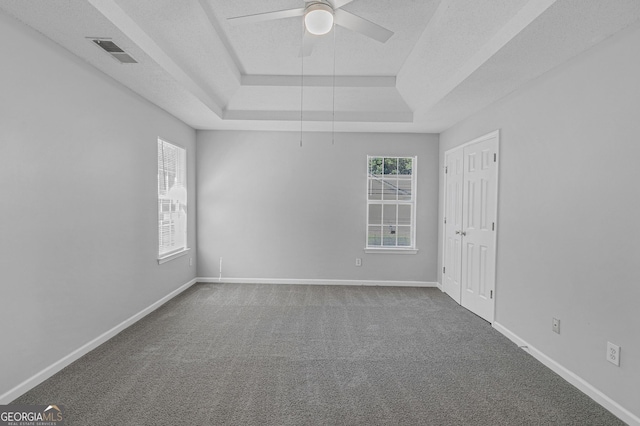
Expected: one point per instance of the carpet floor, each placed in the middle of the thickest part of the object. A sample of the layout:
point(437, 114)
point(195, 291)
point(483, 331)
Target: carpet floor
point(242, 354)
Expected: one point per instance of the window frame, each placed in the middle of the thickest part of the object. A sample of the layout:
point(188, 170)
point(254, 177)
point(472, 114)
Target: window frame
point(183, 249)
point(395, 249)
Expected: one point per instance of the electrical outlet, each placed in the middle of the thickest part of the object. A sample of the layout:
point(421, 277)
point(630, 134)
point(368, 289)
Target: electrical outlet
point(613, 354)
point(358, 261)
point(555, 325)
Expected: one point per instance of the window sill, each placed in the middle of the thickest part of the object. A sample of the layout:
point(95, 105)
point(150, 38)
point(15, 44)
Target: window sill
point(168, 257)
point(391, 250)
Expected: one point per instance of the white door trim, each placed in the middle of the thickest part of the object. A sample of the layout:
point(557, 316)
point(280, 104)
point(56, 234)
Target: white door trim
point(494, 134)
point(453, 216)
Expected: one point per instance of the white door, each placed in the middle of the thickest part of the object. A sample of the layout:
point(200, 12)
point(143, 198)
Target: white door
point(478, 227)
point(452, 260)
point(470, 230)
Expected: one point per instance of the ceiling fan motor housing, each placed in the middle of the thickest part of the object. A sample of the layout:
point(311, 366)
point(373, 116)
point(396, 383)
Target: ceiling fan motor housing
point(318, 18)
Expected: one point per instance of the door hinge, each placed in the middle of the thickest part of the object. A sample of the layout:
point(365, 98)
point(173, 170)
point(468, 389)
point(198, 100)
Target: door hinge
point(446, 170)
point(495, 157)
point(491, 294)
point(493, 226)
point(444, 269)
point(445, 220)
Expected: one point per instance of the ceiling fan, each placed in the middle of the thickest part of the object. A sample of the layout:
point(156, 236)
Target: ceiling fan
point(319, 18)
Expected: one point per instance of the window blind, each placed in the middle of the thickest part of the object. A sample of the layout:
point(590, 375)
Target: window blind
point(172, 198)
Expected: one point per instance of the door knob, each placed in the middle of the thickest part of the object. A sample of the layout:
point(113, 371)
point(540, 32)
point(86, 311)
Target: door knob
point(457, 232)
point(463, 233)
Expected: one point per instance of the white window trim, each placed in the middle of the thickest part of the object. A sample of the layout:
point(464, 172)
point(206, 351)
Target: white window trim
point(390, 250)
point(166, 257)
point(414, 185)
point(171, 256)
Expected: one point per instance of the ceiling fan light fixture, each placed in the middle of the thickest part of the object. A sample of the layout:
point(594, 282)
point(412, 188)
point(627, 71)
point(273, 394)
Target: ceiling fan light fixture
point(318, 19)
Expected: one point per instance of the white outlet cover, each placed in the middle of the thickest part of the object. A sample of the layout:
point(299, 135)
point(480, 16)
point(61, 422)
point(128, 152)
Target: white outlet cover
point(613, 354)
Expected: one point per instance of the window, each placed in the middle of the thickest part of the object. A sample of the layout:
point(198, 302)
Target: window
point(172, 201)
point(391, 203)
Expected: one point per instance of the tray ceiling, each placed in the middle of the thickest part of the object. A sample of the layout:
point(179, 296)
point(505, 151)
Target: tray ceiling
point(446, 60)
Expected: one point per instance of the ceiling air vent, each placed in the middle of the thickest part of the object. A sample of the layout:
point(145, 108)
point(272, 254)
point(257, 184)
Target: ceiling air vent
point(112, 49)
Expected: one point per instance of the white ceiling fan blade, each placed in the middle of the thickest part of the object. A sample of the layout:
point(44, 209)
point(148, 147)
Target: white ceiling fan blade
point(360, 25)
point(268, 16)
point(336, 4)
point(308, 42)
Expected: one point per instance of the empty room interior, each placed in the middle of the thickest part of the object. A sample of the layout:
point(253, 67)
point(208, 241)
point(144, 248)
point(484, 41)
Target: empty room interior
point(321, 212)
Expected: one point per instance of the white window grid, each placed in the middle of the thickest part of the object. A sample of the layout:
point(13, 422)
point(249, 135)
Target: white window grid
point(172, 198)
point(391, 203)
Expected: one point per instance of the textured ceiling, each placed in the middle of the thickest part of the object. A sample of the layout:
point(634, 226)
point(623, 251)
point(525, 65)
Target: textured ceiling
point(446, 59)
point(273, 47)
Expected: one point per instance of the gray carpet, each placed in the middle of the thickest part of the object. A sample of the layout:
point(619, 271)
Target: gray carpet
point(240, 354)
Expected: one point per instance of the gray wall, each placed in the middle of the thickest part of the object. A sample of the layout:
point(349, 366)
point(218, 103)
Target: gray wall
point(78, 240)
point(273, 209)
point(568, 206)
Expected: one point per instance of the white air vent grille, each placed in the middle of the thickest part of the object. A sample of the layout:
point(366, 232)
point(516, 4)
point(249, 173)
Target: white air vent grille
point(114, 50)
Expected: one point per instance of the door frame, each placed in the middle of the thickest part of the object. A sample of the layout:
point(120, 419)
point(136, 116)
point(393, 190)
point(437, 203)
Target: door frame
point(496, 134)
point(446, 218)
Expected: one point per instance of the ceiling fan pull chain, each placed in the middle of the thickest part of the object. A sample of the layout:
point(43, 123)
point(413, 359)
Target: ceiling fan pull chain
point(333, 108)
point(301, 81)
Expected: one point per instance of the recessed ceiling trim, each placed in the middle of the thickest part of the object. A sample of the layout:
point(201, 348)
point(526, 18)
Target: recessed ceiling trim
point(227, 51)
point(529, 13)
point(326, 116)
point(124, 23)
point(410, 75)
point(319, 81)
point(457, 57)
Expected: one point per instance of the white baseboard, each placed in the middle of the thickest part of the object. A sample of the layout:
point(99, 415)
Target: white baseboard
point(577, 381)
point(43, 375)
point(440, 287)
point(317, 282)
